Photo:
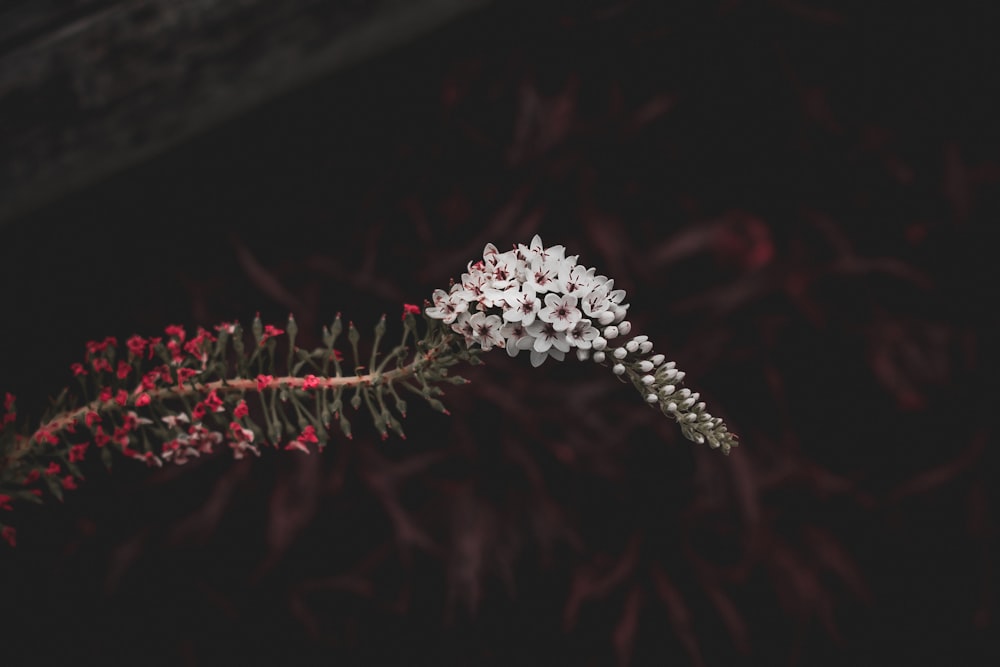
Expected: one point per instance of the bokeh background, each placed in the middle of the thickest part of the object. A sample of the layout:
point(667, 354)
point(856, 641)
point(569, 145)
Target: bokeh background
point(799, 198)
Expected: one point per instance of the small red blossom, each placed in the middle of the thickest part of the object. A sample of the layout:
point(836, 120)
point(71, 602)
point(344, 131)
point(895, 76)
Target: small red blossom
point(101, 364)
point(92, 418)
point(5, 502)
point(9, 534)
point(121, 398)
point(123, 370)
point(338, 355)
point(297, 444)
point(8, 418)
point(240, 434)
point(136, 345)
point(105, 394)
point(264, 381)
point(8, 401)
point(270, 331)
point(410, 309)
point(213, 401)
point(53, 469)
point(142, 399)
point(77, 452)
point(69, 483)
point(32, 477)
point(149, 380)
point(198, 412)
point(174, 347)
point(44, 435)
point(310, 382)
point(153, 342)
point(241, 410)
point(176, 331)
point(93, 347)
point(78, 369)
point(100, 437)
point(185, 374)
point(308, 435)
point(120, 436)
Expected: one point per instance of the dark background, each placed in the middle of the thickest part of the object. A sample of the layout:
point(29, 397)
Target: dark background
point(799, 200)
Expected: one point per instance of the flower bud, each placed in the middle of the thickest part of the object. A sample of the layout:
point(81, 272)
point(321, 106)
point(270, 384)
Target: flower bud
point(611, 332)
point(667, 389)
point(582, 354)
point(620, 353)
point(668, 374)
point(631, 346)
point(651, 398)
point(671, 407)
point(690, 417)
point(625, 327)
point(687, 403)
point(645, 366)
point(599, 357)
point(671, 364)
point(680, 375)
point(600, 343)
point(648, 379)
point(606, 318)
point(699, 438)
point(645, 347)
point(618, 369)
point(657, 359)
point(684, 393)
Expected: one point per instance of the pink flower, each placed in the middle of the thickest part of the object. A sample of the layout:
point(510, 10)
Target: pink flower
point(270, 331)
point(92, 418)
point(121, 398)
point(410, 309)
point(136, 345)
point(78, 369)
point(142, 400)
point(5, 502)
point(241, 410)
point(213, 402)
point(44, 435)
point(69, 483)
point(176, 331)
point(310, 382)
point(105, 394)
point(77, 452)
point(53, 469)
point(264, 381)
point(100, 437)
point(101, 364)
point(10, 535)
point(123, 370)
point(185, 374)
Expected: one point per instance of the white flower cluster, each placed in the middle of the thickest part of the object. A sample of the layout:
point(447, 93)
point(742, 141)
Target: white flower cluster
point(532, 298)
point(539, 299)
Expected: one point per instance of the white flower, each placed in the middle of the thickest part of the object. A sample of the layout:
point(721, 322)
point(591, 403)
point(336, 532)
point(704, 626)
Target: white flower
point(524, 308)
point(576, 280)
point(462, 326)
point(516, 337)
point(596, 302)
point(448, 307)
point(560, 311)
point(486, 330)
point(548, 342)
point(581, 335)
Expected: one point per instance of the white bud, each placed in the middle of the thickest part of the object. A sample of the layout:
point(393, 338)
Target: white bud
point(651, 398)
point(690, 417)
point(631, 346)
point(667, 389)
point(645, 347)
point(611, 332)
point(641, 339)
point(699, 438)
point(657, 359)
point(699, 407)
point(645, 366)
point(680, 375)
point(669, 374)
point(620, 353)
point(687, 403)
point(599, 343)
point(695, 396)
point(582, 355)
point(684, 393)
point(671, 407)
point(599, 357)
point(671, 364)
point(648, 379)
point(606, 318)
point(618, 369)
point(625, 327)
